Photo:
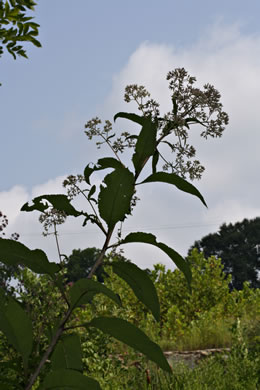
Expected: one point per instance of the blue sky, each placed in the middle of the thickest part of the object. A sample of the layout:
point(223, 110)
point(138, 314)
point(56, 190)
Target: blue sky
point(91, 50)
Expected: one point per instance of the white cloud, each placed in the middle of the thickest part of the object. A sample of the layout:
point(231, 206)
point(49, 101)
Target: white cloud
point(71, 235)
point(232, 210)
point(52, 186)
point(12, 200)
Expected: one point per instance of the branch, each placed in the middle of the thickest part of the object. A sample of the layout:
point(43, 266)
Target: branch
point(111, 147)
point(57, 242)
point(99, 224)
point(102, 254)
point(49, 350)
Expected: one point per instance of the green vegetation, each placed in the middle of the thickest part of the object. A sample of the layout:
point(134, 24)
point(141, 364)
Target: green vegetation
point(49, 351)
point(109, 332)
point(238, 246)
point(224, 319)
point(17, 27)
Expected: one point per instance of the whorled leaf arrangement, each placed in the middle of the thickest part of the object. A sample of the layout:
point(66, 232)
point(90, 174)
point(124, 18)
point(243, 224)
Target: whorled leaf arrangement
point(109, 207)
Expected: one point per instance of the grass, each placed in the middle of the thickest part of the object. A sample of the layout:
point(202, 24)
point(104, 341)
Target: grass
point(237, 370)
point(201, 335)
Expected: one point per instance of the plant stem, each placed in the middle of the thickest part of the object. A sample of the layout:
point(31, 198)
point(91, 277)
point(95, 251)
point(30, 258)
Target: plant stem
point(91, 205)
point(57, 242)
point(102, 254)
point(111, 147)
point(49, 350)
point(61, 327)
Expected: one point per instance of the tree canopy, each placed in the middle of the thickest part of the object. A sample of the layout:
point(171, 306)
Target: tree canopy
point(238, 247)
point(81, 261)
point(17, 27)
point(7, 272)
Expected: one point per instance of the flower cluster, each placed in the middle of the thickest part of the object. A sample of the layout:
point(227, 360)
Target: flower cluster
point(191, 106)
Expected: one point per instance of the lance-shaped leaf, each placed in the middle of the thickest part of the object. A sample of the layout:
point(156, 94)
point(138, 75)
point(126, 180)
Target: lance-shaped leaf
point(83, 291)
point(66, 379)
point(16, 326)
point(146, 141)
point(14, 253)
point(148, 238)
point(91, 193)
point(141, 285)
point(68, 353)
point(194, 120)
point(59, 202)
point(132, 117)
point(103, 163)
point(114, 201)
point(145, 145)
point(129, 334)
point(175, 105)
point(155, 160)
point(170, 145)
point(177, 181)
point(93, 219)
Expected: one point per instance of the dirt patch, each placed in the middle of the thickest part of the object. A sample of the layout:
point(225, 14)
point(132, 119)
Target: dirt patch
point(191, 358)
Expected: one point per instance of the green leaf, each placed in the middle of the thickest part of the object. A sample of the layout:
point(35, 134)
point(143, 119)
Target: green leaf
point(92, 218)
point(16, 326)
point(59, 202)
point(169, 144)
point(179, 182)
point(155, 160)
point(9, 384)
point(14, 365)
point(146, 141)
point(149, 238)
point(7, 8)
point(34, 25)
point(26, 27)
point(132, 117)
point(141, 285)
point(103, 163)
point(114, 201)
point(83, 291)
point(194, 120)
point(68, 353)
point(91, 192)
point(175, 105)
point(132, 136)
point(68, 380)
point(14, 253)
point(34, 41)
point(129, 334)
point(145, 145)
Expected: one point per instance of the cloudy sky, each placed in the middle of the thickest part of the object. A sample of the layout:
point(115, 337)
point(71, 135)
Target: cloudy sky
point(89, 53)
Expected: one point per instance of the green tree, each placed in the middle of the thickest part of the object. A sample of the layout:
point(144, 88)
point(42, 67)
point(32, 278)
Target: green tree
point(7, 272)
point(238, 247)
point(16, 27)
point(209, 287)
point(178, 307)
point(80, 263)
